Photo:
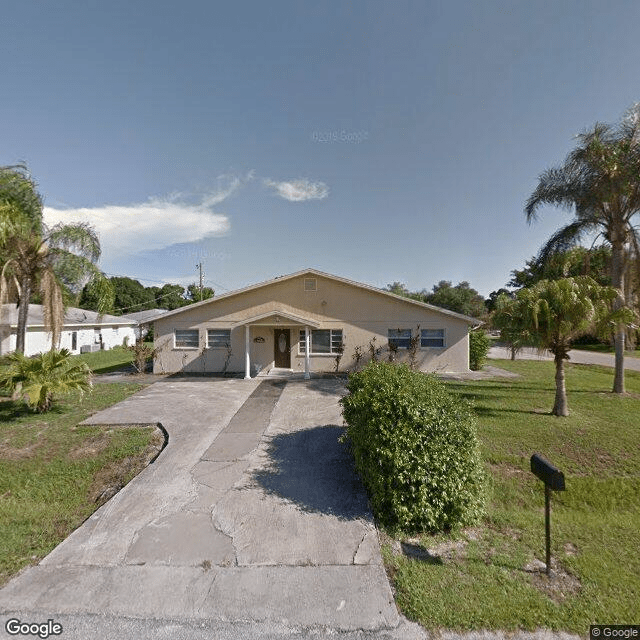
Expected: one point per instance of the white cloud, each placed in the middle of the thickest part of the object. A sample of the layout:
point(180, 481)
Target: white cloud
point(148, 226)
point(299, 190)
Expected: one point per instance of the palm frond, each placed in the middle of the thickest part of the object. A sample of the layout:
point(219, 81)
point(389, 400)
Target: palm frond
point(80, 239)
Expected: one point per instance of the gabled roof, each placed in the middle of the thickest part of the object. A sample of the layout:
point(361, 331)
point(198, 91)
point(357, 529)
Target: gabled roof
point(279, 314)
point(73, 317)
point(322, 274)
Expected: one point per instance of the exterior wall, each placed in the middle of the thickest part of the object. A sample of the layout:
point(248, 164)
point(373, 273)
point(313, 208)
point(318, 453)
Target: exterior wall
point(360, 313)
point(38, 340)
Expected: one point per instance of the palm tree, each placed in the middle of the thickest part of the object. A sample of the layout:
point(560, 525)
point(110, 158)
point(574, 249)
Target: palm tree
point(600, 182)
point(54, 260)
point(553, 313)
point(37, 379)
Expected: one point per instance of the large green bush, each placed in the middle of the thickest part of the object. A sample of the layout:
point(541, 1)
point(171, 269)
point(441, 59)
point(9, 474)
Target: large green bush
point(478, 349)
point(415, 448)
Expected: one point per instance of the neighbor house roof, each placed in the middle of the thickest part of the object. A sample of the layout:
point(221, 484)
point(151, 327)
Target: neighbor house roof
point(142, 317)
point(73, 317)
point(321, 274)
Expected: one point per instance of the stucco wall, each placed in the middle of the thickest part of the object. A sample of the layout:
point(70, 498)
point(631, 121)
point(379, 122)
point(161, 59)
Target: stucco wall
point(360, 313)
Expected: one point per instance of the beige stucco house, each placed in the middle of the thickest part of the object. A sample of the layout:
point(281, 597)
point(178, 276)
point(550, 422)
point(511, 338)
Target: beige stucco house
point(300, 322)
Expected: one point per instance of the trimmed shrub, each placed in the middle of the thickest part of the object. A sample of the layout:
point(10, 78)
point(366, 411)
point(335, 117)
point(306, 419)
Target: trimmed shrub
point(478, 349)
point(415, 448)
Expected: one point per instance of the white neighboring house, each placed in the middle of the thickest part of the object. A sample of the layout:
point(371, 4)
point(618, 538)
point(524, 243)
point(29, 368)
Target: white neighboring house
point(82, 331)
point(144, 320)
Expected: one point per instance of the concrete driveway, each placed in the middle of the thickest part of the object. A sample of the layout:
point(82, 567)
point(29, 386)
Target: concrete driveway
point(252, 512)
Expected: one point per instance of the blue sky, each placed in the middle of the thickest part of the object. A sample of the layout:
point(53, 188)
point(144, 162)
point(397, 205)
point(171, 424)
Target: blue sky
point(379, 141)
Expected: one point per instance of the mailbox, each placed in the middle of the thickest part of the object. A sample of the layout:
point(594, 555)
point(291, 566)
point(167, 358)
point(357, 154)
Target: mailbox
point(553, 481)
point(543, 469)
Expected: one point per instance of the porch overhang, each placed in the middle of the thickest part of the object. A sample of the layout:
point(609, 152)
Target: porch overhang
point(277, 319)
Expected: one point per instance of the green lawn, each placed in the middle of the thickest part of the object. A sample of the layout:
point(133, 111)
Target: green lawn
point(117, 359)
point(53, 471)
point(481, 582)
point(107, 361)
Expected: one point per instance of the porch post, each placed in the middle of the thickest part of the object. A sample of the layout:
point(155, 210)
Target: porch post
point(307, 375)
point(247, 358)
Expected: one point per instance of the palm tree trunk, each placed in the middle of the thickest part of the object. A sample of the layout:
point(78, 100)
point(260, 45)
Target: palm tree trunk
point(617, 280)
point(560, 408)
point(23, 314)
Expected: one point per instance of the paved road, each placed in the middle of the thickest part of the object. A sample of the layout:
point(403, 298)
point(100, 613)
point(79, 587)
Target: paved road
point(575, 355)
point(252, 514)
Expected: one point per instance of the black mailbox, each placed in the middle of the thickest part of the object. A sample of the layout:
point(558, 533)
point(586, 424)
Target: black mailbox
point(543, 469)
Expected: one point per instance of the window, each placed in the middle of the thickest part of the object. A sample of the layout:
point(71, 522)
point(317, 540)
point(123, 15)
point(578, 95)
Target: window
point(186, 338)
point(322, 341)
point(400, 337)
point(218, 338)
point(432, 338)
point(74, 341)
point(310, 284)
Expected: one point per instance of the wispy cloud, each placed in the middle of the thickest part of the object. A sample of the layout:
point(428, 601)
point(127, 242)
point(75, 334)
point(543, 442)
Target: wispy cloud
point(299, 190)
point(148, 226)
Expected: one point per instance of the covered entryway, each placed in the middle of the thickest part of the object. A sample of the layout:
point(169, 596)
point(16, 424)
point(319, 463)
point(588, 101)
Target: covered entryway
point(282, 348)
point(284, 322)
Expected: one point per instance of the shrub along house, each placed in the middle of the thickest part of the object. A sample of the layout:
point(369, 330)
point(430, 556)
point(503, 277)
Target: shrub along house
point(302, 323)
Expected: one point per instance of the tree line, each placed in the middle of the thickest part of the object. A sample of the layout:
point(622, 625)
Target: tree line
point(130, 296)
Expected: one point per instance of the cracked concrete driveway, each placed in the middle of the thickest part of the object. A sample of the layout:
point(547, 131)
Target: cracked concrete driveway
point(253, 512)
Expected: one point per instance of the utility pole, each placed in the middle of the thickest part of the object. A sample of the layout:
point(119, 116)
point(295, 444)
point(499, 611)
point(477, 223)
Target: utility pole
point(199, 266)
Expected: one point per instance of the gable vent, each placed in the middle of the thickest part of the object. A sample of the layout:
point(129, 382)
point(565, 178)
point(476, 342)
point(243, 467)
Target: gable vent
point(310, 284)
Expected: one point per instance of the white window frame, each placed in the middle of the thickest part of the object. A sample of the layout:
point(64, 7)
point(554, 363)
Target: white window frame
point(336, 337)
point(442, 337)
point(175, 339)
point(217, 344)
point(400, 334)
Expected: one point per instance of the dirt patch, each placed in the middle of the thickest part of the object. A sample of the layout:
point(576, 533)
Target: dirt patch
point(115, 475)
point(91, 446)
point(558, 585)
point(19, 453)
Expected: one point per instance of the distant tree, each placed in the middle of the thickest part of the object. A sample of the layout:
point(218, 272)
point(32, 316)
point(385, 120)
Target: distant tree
point(193, 293)
point(131, 296)
point(491, 301)
point(171, 296)
point(577, 261)
point(399, 288)
point(553, 313)
point(600, 182)
point(461, 298)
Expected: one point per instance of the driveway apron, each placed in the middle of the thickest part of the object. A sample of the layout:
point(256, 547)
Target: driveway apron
point(253, 511)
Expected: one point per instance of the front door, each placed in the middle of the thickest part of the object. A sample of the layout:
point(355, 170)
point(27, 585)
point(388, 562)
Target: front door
point(282, 347)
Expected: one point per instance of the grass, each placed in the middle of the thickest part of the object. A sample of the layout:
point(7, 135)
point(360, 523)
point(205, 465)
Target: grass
point(107, 361)
point(53, 472)
point(116, 359)
point(476, 579)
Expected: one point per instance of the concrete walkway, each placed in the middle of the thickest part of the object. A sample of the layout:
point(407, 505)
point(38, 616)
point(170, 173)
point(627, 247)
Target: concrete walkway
point(253, 512)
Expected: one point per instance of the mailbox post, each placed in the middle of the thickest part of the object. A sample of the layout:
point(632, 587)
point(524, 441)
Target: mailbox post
point(553, 481)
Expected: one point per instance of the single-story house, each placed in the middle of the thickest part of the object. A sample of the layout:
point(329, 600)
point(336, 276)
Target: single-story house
point(305, 322)
point(82, 331)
